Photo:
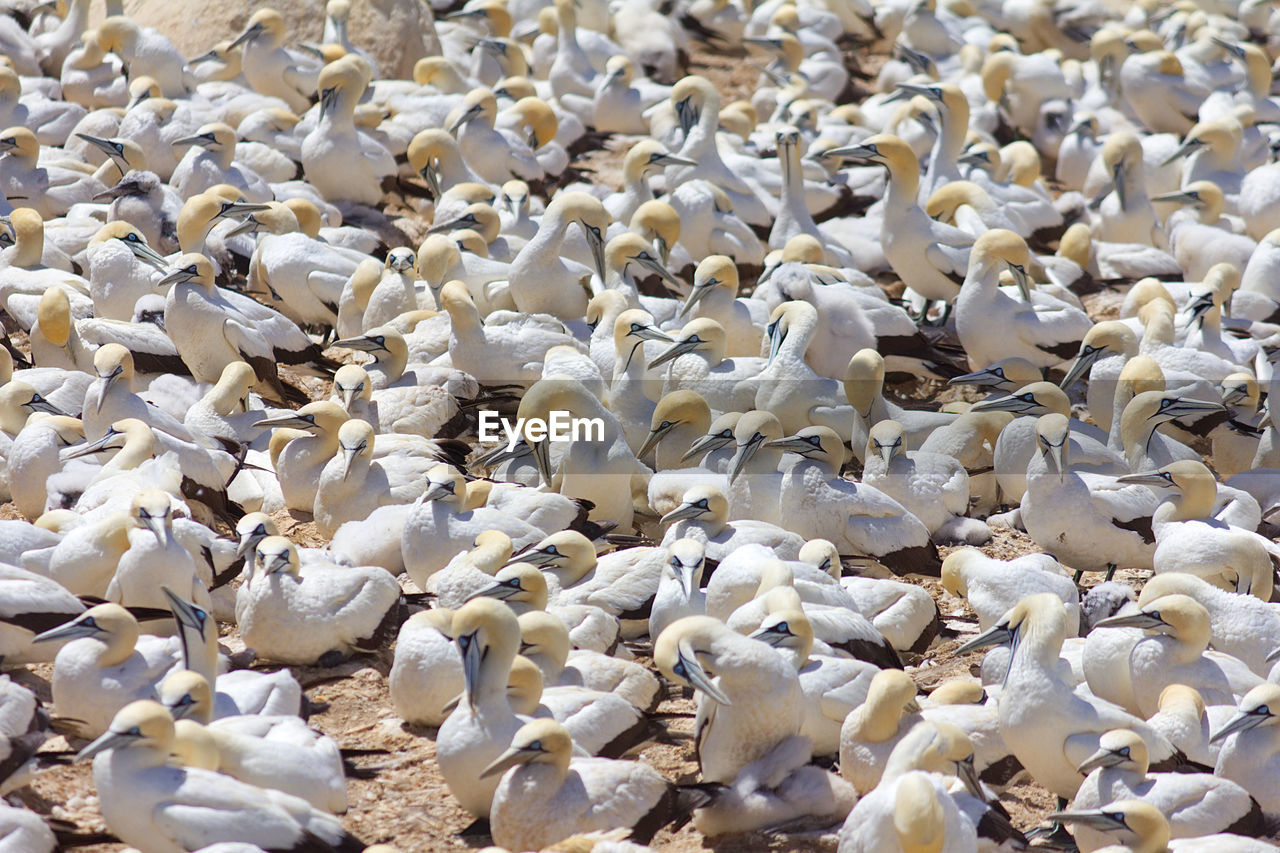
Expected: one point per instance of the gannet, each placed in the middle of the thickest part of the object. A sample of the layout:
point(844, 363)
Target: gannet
point(752, 701)
point(1177, 653)
point(346, 609)
point(155, 559)
point(147, 53)
point(211, 330)
point(446, 520)
point(589, 468)
point(144, 797)
point(426, 675)
point(600, 723)
point(544, 639)
point(541, 282)
point(50, 189)
point(269, 67)
point(1188, 536)
point(603, 794)
point(337, 159)
point(303, 275)
point(494, 354)
point(100, 669)
point(863, 388)
point(1198, 238)
point(872, 729)
point(1048, 727)
point(929, 256)
point(1073, 513)
point(1195, 804)
point(1139, 826)
point(482, 726)
point(1016, 445)
point(1250, 757)
point(697, 106)
point(992, 587)
point(679, 592)
point(698, 363)
point(832, 687)
point(34, 457)
point(273, 751)
point(907, 476)
point(703, 515)
point(856, 518)
point(1046, 334)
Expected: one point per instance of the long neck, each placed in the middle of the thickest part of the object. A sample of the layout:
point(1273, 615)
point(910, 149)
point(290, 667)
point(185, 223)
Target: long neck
point(904, 185)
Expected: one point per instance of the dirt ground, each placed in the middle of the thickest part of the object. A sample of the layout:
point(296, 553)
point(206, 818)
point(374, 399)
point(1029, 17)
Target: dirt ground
point(406, 803)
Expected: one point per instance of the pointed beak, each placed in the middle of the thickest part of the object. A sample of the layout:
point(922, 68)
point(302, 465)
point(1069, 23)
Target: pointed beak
point(500, 591)
point(466, 116)
point(1095, 819)
point(656, 267)
point(981, 378)
point(70, 631)
point(1101, 758)
point(1146, 478)
point(349, 455)
point(996, 635)
point(248, 544)
point(1180, 197)
point(700, 289)
point(744, 454)
point(651, 440)
point(107, 381)
point(509, 759)
point(146, 254)
point(175, 277)
point(692, 671)
point(250, 33)
point(648, 332)
point(685, 574)
point(704, 444)
point(292, 421)
point(687, 116)
point(860, 154)
point(361, 344)
point(1241, 722)
point(99, 446)
point(1008, 403)
point(1023, 280)
point(40, 404)
point(1183, 150)
point(968, 774)
point(1182, 407)
point(472, 662)
point(183, 611)
point(542, 460)
point(596, 241)
point(1081, 366)
point(1131, 620)
point(1118, 177)
point(682, 512)
point(156, 525)
point(674, 351)
point(109, 740)
point(248, 225)
point(435, 492)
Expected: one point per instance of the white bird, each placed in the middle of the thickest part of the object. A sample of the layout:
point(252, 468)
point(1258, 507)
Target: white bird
point(1047, 726)
point(145, 799)
point(344, 609)
point(992, 587)
point(101, 669)
point(1195, 804)
point(550, 795)
point(751, 703)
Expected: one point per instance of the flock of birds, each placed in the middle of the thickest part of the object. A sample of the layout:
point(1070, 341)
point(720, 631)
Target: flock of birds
point(223, 313)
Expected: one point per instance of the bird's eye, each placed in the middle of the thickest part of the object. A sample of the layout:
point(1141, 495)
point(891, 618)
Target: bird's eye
point(90, 623)
point(1167, 476)
point(783, 628)
point(665, 425)
point(679, 669)
point(702, 504)
point(192, 269)
point(1028, 397)
point(135, 732)
point(132, 238)
point(999, 371)
point(464, 642)
point(514, 583)
point(537, 744)
point(1155, 614)
point(380, 340)
point(552, 550)
point(1125, 752)
point(1164, 404)
point(1262, 709)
